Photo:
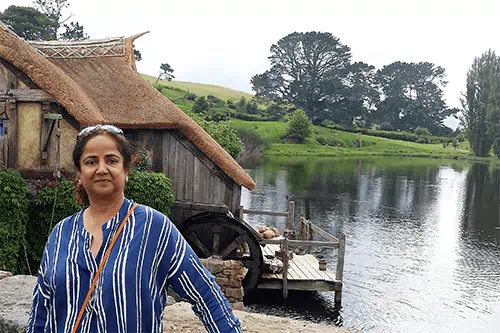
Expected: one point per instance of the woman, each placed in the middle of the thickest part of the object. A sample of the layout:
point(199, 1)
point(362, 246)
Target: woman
point(148, 255)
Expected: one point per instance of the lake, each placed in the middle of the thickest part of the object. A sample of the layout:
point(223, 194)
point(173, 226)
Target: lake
point(422, 240)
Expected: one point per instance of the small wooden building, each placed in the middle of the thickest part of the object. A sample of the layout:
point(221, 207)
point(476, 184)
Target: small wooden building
point(51, 90)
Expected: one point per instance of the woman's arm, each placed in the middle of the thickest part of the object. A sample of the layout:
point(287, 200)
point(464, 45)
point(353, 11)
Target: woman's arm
point(192, 281)
point(41, 299)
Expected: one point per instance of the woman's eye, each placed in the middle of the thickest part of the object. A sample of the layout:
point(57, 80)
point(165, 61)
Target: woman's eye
point(89, 162)
point(113, 161)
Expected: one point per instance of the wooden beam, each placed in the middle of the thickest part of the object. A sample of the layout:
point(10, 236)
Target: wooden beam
point(291, 215)
point(12, 133)
point(284, 250)
point(323, 233)
point(263, 212)
point(340, 267)
point(19, 74)
point(305, 285)
point(182, 204)
point(301, 243)
point(27, 95)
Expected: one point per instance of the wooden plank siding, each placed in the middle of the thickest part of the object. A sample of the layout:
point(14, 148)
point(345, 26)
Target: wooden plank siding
point(3, 151)
point(195, 178)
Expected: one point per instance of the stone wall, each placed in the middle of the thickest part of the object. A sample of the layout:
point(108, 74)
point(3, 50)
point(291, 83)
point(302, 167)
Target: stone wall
point(16, 294)
point(229, 275)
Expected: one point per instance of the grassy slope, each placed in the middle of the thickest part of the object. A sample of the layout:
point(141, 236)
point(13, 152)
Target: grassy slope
point(202, 89)
point(372, 146)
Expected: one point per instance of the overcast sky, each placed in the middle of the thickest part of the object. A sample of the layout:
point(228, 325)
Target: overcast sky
point(227, 42)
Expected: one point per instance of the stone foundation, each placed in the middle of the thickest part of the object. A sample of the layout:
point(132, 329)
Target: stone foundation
point(229, 275)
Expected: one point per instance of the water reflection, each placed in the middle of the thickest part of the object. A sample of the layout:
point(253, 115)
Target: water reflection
point(422, 238)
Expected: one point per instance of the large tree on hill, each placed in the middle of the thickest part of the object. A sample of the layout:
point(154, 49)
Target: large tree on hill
point(412, 96)
point(481, 104)
point(166, 71)
point(28, 23)
point(307, 70)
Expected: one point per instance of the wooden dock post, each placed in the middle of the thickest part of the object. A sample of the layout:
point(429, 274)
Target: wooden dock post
point(284, 251)
point(240, 213)
point(291, 215)
point(340, 268)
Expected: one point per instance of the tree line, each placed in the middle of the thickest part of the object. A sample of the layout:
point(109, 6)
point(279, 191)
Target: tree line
point(314, 71)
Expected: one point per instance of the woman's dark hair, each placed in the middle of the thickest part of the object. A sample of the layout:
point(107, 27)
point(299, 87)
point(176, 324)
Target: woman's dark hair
point(122, 144)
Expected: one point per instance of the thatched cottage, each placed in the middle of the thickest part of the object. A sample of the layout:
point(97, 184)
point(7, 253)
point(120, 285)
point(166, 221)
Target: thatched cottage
point(50, 90)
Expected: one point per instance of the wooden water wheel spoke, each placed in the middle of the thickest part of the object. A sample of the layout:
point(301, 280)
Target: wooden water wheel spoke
point(214, 234)
point(239, 240)
point(191, 236)
point(216, 231)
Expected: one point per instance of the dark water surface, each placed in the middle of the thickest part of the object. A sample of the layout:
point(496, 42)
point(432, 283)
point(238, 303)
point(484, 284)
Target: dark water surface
point(423, 240)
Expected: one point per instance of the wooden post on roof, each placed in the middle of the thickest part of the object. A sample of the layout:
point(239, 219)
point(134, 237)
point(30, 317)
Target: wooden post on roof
point(339, 276)
point(291, 215)
point(284, 251)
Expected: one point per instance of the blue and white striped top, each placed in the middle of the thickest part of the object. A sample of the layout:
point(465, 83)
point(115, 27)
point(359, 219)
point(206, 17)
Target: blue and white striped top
point(131, 292)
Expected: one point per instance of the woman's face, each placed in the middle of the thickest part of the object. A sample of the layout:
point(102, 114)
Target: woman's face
point(102, 172)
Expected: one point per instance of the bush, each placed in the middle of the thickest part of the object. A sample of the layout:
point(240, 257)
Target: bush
point(200, 104)
point(423, 139)
point(14, 207)
point(422, 131)
point(217, 115)
point(215, 102)
point(151, 189)
point(322, 140)
point(41, 222)
point(335, 142)
point(299, 126)
point(190, 96)
point(386, 127)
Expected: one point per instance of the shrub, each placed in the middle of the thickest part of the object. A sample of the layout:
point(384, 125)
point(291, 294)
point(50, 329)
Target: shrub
point(385, 126)
point(217, 115)
point(335, 142)
point(423, 139)
point(215, 102)
point(41, 221)
point(190, 96)
point(151, 189)
point(422, 131)
point(14, 206)
point(299, 126)
point(200, 104)
point(322, 140)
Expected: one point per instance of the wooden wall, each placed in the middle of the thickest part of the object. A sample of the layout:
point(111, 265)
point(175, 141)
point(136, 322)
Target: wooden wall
point(195, 178)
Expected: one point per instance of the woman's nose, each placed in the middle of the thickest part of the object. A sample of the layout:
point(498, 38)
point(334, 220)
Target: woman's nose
point(103, 168)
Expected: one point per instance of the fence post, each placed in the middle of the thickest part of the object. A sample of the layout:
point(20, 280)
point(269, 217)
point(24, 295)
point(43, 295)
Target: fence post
point(284, 252)
point(240, 213)
point(309, 235)
point(291, 215)
point(302, 228)
point(340, 267)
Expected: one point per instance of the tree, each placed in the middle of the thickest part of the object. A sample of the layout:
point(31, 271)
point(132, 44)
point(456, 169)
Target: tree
point(28, 23)
point(299, 126)
point(200, 104)
point(480, 104)
point(137, 55)
point(166, 71)
point(307, 70)
point(74, 31)
point(53, 9)
point(413, 96)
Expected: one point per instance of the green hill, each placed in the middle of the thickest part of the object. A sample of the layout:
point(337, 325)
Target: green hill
point(202, 89)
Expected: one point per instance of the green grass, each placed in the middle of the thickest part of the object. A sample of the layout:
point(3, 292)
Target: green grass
point(372, 146)
point(202, 89)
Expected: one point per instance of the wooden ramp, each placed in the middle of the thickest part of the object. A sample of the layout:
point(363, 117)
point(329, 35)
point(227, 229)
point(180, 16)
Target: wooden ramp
point(303, 274)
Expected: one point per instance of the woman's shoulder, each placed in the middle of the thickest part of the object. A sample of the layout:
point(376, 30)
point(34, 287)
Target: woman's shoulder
point(151, 214)
point(66, 225)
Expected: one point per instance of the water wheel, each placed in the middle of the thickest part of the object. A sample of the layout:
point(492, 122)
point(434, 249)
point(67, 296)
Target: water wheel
point(230, 238)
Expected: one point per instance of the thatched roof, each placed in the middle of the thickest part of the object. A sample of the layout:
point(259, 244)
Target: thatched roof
point(97, 82)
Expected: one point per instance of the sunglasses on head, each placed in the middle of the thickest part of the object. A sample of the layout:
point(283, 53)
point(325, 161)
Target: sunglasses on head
point(109, 128)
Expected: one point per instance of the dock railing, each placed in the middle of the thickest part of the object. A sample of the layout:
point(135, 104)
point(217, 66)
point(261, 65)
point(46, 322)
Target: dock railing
point(306, 240)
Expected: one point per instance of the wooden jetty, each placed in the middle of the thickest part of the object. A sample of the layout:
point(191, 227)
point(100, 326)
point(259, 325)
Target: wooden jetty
point(302, 271)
